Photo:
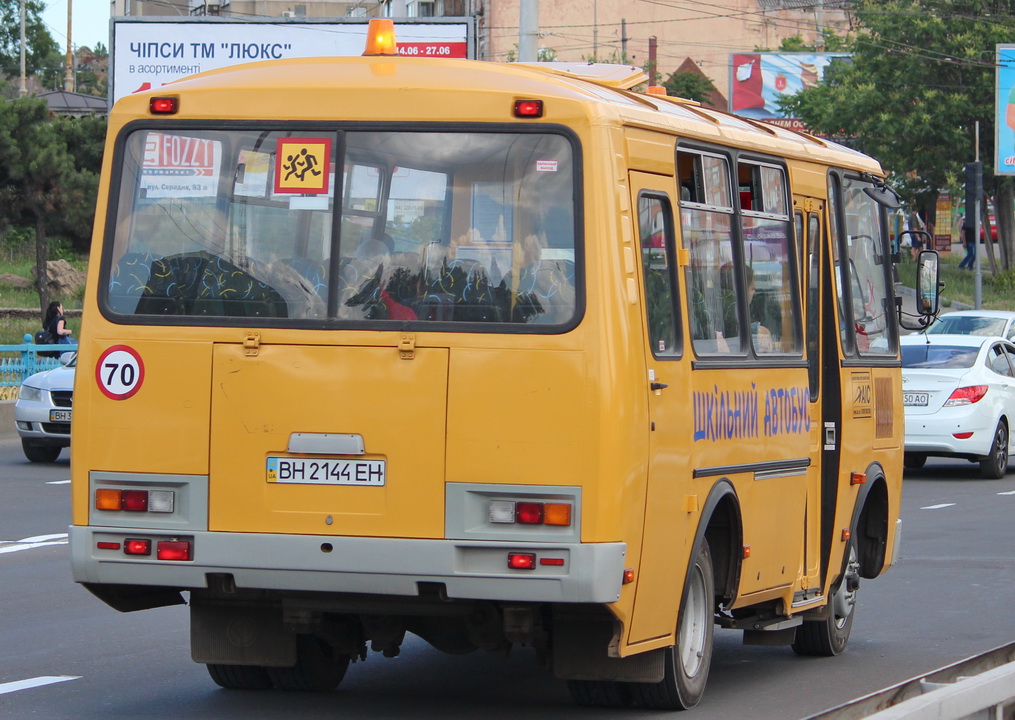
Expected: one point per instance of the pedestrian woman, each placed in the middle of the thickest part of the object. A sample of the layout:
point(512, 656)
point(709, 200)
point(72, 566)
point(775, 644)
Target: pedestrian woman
point(56, 325)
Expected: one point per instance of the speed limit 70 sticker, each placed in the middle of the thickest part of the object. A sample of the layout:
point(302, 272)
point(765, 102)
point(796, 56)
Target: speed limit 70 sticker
point(119, 372)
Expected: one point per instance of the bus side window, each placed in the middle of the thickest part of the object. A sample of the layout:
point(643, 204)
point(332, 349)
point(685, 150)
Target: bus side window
point(656, 234)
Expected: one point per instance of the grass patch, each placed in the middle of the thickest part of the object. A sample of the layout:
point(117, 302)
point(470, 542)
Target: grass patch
point(998, 291)
point(13, 330)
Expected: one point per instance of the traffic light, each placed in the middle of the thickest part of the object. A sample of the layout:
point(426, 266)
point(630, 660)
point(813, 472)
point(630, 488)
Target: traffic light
point(974, 191)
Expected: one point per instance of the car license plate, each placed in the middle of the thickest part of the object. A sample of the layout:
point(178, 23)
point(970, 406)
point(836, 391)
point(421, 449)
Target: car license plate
point(59, 416)
point(326, 471)
point(915, 398)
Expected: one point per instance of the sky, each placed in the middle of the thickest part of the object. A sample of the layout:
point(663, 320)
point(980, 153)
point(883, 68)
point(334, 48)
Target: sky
point(90, 22)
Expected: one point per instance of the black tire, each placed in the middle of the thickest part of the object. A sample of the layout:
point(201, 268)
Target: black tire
point(600, 693)
point(37, 453)
point(828, 637)
point(317, 668)
point(240, 677)
point(685, 669)
point(914, 461)
point(995, 465)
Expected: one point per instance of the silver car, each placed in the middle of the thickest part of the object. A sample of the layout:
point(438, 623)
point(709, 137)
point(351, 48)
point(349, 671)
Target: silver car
point(43, 411)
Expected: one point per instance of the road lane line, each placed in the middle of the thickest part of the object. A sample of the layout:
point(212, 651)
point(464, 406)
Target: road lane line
point(1010, 492)
point(59, 482)
point(938, 507)
point(30, 543)
point(35, 682)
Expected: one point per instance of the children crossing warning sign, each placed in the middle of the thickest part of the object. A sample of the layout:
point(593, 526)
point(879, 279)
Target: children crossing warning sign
point(301, 165)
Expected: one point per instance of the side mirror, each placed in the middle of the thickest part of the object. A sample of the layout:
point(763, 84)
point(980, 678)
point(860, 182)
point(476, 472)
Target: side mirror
point(928, 292)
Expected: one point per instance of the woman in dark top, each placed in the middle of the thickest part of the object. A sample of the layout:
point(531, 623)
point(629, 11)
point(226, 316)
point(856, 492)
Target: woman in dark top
point(56, 324)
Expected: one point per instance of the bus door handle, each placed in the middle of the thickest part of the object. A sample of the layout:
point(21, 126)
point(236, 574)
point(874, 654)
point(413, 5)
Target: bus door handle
point(658, 386)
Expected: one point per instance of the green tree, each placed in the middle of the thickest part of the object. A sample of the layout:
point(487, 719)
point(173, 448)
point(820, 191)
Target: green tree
point(690, 85)
point(39, 181)
point(920, 77)
point(42, 54)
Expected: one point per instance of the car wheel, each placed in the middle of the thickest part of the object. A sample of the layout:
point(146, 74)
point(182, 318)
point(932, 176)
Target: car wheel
point(37, 453)
point(685, 668)
point(914, 461)
point(995, 465)
point(828, 637)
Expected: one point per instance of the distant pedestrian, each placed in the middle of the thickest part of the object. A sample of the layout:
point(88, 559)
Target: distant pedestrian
point(969, 242)
point(918, 227)
point(56, 325)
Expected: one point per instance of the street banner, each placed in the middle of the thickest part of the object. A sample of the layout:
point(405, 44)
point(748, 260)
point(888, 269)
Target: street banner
point(759, 79)
point(1004, 111)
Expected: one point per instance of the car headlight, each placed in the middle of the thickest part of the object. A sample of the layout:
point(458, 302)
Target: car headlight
point(32, 394)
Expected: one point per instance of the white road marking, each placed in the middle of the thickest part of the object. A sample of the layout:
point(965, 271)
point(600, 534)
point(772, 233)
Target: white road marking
point(937, 507)
point(30, 543)
point(1010, 492)
point(35, 682)
point(59, 482)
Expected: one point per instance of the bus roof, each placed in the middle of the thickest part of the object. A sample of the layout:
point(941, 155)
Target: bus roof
point(435, 90)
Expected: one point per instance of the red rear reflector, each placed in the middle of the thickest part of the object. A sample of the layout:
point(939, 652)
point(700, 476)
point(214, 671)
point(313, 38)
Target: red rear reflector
point(173, 550)
point(551, 561)
point(135, 500)
point(529, 108)
point(529, 513)
point(106, 545)
point(163, 105)
point(137, 547)
point(963, 436)
point(521, 561)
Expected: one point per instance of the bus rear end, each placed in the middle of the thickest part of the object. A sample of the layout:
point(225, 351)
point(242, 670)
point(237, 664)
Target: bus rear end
point(334, 378)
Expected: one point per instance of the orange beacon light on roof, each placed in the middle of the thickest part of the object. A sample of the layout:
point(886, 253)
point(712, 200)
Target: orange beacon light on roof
point(381, 38)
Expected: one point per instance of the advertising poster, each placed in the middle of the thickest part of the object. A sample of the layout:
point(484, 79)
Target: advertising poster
point(148, 54)
point(760, 79)
point(1004, 113)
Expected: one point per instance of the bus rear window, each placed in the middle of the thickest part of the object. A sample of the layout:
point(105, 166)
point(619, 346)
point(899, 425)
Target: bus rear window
point(458, 227)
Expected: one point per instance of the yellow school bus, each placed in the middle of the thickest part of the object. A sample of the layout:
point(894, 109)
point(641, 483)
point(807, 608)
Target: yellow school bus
point(491, 354)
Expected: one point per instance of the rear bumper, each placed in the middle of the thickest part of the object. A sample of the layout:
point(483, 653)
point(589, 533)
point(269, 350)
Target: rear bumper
point(591, 573)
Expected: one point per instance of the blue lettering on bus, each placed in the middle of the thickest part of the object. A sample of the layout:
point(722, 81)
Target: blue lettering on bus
point(738, 414)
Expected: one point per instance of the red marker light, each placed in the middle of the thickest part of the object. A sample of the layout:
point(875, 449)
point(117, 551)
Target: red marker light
point(528, 108)
point(559, 562)
point(107, 545)
point(521, 561)
point(173, 550)
point(164, 105)
point(135, 500)
point(135, 546)
point(529, 513)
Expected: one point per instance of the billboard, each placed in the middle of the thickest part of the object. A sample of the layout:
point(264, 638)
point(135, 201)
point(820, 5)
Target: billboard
point(1004, 111)
point(758, 80)
point(149, 52)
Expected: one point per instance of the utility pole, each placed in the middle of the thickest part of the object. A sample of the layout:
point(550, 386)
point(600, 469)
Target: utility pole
point(23, 90)
point(623, 40)
point(652, 60)
point(528, 31)
point(68, 80)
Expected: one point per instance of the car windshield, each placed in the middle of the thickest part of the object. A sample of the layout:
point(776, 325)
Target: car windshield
point(967, 325)
point(926, 355)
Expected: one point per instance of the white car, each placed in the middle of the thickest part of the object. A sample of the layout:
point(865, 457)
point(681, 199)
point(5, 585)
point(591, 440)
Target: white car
point(43, 411)
point(958, 392)
point(975, 322)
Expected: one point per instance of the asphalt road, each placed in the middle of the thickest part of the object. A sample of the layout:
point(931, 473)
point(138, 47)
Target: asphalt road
point(64, 654)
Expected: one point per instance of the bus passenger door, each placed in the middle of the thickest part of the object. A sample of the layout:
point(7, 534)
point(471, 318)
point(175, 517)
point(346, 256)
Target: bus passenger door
point(668, 527)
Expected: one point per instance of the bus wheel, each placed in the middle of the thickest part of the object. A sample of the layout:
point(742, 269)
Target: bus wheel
point(828, 637)
point(685, 669)
point(600, 693)
point(914, 461)
point(317, 668)
point(240, 677)
point(995, 465)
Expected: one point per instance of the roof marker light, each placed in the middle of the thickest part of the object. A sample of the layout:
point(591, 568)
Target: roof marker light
point(381, 38)
point(164, 105)
point(529, 108)
point(656, 90)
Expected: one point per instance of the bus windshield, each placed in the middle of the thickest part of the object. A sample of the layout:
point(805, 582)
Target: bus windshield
point(428, 226)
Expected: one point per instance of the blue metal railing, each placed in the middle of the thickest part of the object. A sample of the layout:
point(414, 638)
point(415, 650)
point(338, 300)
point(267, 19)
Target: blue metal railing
point(17, 362)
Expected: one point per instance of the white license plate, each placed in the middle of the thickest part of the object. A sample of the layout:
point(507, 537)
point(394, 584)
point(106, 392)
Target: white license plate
point(326, 471)
point(912, 398)
point(59, 415)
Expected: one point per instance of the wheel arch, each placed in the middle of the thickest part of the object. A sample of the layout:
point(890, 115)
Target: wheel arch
point(869, 524)
point(722, 525)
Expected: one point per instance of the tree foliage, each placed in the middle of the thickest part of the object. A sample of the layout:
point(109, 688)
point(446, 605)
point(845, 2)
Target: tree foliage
point(42, 54)
point(920, 77)
point(48, 175)
point(690, 85)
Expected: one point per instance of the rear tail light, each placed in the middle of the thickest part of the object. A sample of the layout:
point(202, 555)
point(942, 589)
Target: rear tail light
point(173, 550)
point(521, 561)
point(529, 513)
point(116, 500)
point(134, 546)
point(966, 395)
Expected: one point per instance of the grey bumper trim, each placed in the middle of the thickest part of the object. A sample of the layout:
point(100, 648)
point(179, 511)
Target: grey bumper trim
point(591, 573)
